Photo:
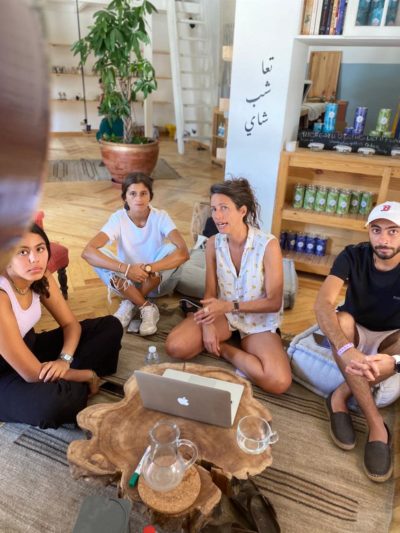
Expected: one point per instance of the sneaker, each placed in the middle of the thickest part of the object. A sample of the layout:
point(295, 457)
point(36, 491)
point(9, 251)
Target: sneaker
point(125, 312)
point(150, 315)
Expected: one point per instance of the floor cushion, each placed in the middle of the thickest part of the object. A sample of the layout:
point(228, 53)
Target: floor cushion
point(313, 366)
point(192, 279)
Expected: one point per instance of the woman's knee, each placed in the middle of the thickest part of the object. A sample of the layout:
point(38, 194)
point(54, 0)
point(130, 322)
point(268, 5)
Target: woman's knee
point(114, 330)
point(282, 383)
point(106, 328)
point(176, 346)
point(277, 383)
point(63, 405)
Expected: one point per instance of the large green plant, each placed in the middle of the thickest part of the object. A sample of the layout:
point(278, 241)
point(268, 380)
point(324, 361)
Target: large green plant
point(115, 39)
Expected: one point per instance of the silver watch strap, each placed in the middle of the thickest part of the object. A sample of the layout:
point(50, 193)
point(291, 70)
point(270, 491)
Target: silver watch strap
point(66, 357)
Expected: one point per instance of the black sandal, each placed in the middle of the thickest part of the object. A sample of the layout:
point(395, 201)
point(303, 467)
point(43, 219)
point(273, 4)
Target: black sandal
point(251, 502)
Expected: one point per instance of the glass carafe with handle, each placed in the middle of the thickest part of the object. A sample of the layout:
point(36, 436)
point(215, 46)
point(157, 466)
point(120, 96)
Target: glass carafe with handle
point(164, 465)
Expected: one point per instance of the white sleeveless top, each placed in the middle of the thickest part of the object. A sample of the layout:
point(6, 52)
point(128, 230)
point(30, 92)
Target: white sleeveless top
point(248, 285)
point(26, 318)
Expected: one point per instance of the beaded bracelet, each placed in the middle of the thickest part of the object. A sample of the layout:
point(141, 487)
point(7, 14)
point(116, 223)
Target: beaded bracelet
point(344, 348)
point(127, 270)
point(119, 267)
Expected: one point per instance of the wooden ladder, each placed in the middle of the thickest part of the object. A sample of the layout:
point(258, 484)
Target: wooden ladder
point(193, 27)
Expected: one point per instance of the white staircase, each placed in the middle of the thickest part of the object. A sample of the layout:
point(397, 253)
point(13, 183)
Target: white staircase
point(193, 29)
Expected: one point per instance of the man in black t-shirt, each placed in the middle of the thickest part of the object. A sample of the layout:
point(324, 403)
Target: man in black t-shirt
point(364, 332)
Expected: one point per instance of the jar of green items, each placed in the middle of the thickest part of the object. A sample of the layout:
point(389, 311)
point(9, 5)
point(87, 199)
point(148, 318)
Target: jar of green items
point(309, 197)
point(332, 200)
point(365, 203)
point(320, 199)
point(343, 202)
point(298, 196)
point(355, 202)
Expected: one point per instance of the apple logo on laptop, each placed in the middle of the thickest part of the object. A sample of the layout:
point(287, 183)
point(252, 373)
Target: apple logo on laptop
point(183, 401)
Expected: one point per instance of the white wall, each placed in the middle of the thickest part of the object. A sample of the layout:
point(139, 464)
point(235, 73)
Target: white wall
point(259, 36)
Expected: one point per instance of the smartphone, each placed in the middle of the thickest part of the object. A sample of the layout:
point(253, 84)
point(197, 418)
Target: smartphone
point(113, 388)
point(321, 340)
point(190, 303)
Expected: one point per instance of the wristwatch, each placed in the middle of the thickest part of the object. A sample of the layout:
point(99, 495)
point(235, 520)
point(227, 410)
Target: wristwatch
point(148, 268)
point(396, 364)
point(235, 306)
point(66, 357)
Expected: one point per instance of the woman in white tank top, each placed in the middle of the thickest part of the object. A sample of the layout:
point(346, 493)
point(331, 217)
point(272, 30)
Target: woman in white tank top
point(244, 287)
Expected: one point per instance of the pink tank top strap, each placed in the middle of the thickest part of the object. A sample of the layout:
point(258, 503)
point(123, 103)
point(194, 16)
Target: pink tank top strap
point(26, 318)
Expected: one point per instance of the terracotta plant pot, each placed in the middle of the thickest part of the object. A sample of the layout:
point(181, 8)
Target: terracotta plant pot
point(122, 159)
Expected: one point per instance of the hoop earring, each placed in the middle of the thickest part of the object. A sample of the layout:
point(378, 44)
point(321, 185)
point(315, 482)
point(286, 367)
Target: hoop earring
point(126, 206)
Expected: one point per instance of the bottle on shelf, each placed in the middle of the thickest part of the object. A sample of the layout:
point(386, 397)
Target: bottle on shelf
point(152, 357)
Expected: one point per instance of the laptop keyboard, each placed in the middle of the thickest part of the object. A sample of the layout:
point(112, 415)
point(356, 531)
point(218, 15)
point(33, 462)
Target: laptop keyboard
point(199, 380)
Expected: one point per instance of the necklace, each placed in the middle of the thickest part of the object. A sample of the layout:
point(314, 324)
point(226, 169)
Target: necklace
point(22, 292)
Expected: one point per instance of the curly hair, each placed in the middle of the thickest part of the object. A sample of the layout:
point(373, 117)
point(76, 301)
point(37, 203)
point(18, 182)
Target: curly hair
point(41, 286)
point(241, 193)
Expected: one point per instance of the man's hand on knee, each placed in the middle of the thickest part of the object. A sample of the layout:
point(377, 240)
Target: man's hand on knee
point(372, 367)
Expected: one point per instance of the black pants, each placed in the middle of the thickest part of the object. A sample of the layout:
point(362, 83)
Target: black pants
point(49, 405)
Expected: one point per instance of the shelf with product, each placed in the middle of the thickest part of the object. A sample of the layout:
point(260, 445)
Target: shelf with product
point(342, 180)
point(350, 19)
point(219, 135)
point(220, 121)
point(66, 80)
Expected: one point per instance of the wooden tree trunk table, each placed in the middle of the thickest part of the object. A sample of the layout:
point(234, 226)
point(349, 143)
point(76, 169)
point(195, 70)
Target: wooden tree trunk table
point(119, 436)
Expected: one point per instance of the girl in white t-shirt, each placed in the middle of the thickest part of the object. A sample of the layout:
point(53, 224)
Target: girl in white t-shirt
point(244, 285)
point(144, 261)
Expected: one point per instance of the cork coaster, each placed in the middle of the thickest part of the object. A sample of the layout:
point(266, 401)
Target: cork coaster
point(176, 500)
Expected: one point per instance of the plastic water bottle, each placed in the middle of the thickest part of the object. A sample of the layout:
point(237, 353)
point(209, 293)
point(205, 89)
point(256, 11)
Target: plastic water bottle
point(152, 357)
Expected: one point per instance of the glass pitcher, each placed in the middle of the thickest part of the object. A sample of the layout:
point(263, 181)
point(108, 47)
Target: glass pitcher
point(163, 465)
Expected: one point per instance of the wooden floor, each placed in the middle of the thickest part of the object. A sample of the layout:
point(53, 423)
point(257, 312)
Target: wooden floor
point(75, 211)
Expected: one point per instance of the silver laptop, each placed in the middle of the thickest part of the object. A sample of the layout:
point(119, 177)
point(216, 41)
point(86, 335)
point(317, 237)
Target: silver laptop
point(208, 400)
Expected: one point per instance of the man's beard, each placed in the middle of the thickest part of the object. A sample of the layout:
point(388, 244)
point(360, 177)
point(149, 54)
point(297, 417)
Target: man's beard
point(385, 256)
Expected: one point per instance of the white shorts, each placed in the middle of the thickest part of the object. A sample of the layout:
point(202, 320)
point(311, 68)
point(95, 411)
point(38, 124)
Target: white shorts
point(387, 391)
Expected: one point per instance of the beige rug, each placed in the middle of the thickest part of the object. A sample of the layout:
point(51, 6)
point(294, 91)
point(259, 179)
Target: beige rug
point(92, 170)
point(314, 486)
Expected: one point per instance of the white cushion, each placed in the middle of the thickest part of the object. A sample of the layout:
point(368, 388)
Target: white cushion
point(192, 280)
point(313, 366)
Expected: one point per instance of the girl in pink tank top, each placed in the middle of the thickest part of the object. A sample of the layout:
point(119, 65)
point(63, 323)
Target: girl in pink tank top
point(58, 369)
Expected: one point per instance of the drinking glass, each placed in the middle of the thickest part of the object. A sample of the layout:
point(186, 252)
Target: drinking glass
point(254, 434)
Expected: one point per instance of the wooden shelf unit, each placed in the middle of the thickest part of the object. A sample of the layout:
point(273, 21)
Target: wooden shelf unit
point(378, 174)
point(218, 141)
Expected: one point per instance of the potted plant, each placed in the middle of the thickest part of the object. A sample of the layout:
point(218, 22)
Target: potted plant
point(115, 40)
